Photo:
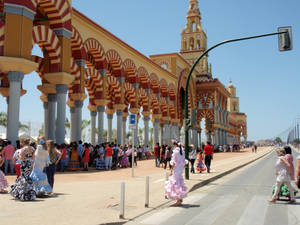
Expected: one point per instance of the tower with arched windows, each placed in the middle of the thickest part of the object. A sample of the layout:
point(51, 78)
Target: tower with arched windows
point(194, 40)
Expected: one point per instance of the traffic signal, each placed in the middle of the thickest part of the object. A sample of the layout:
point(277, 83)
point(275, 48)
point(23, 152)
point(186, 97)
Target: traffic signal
point(285, 42)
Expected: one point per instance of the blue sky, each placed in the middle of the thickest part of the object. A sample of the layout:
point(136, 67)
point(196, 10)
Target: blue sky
point(267, 80)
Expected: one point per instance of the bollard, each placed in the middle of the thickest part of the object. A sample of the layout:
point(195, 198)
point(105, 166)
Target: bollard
point(147, 192)
point(122, 203)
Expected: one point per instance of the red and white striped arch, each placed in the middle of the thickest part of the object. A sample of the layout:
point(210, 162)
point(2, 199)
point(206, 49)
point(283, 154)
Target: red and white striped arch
point(164, 107)
point(114, 90)
point(93, 74)
point(172, 92)
point(130, 69)
point(40, 62)
point(45, 38)
point(154, 84)
point(130, 97)
point(143, 77)
point(172, 111)
point(58, 12)
point(78, 51)
point(115, 62)
point(164, 88)
point(95, 54)
point(154, 104)
point(144, 100)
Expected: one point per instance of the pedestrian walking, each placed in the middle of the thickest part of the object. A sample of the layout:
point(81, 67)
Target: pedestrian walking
point(208, 155)
point(297, 173)
point(175, 187)
point(192, 157)
point(157, 154)
point(54, 156)
point(289, 157)
point(85, 157)
point(200, 166)
point(283, 176)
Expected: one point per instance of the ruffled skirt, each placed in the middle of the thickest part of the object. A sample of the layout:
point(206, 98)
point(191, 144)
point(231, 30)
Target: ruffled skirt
point(175, 187)
point(23, 189)
point(3, 181)
point(40, 183)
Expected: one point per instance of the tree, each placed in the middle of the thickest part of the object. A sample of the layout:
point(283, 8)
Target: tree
point(3, 119)
point(85, 124)
point(278, 140)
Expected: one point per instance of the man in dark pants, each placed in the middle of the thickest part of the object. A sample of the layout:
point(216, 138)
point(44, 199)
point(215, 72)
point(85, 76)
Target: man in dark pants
point(208, 153)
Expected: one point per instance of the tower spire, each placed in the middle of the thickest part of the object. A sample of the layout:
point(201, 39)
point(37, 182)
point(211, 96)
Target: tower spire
point(194, 9)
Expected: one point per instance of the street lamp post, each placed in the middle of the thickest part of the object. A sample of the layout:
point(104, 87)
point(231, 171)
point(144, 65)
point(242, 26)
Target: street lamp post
point(285, 43)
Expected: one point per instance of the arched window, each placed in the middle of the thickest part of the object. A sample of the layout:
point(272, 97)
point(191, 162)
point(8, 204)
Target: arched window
point(164, 66)
point(198, 44)
point(194, 27)
point(191, 47)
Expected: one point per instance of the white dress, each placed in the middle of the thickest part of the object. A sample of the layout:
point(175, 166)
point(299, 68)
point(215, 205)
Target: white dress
point(283, 172)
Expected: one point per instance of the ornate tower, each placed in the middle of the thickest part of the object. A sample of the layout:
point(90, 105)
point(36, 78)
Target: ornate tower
point(233, 101)
point(194, 41)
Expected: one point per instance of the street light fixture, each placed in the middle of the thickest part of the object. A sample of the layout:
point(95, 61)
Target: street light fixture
point(284, 43)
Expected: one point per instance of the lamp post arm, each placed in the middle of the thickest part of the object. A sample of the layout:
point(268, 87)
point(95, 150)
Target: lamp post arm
point(186, 109)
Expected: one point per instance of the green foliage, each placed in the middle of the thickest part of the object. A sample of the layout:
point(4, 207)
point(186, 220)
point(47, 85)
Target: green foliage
point(278, 140)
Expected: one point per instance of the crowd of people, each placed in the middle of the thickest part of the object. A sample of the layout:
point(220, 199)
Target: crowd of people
point(35, 163)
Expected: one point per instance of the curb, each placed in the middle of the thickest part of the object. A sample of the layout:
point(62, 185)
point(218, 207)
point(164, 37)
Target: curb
point(202, 183)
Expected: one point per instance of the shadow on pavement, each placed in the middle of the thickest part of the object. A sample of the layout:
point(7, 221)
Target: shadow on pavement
point(186, 206)
point(116, 223)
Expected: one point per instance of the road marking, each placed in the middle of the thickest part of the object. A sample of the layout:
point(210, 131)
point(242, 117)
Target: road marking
point(213, 211)
point(166, 213)
point(255, 212)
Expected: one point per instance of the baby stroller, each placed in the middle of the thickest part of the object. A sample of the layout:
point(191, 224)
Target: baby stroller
point(284, 193)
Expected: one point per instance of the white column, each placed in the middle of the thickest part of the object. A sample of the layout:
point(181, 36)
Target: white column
point(124, 130)
point(15, 79)
point(161, 134)
point(135, 133)
point(195, 137)
point(156, 131)
point(51, 115)
point(199, 139)
point(100, 110)
point(146, 131)
point(73, 123)
point(46, 120)
point(109, 127)
point(78, 109)
point(119, 126)
point(61, 93)
point(93, 127)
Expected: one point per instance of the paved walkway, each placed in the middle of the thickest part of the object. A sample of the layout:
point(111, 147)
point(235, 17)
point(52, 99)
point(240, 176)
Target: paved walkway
point(93, 197)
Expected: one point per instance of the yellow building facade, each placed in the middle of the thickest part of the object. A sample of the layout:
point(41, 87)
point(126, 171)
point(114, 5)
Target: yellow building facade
point(83, 60)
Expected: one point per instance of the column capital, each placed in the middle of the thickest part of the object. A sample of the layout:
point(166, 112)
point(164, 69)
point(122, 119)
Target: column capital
point(14, 76)
point(124, 118)
point(78, 104)
point(109, 111)
point(156, 116)
point(93, 113)
point(157, 121)
point(146, 118)
point(78, 96)
point(134, 110)
point(135, 85)
point(119, 107)
point(63, 32)
point(125, 114)
point(45, 105)
point(119, 112)
point(100, 102)
point(61, 89)
point(70, 103)
point(52, 98)
point(146, 113)
point(59, 78)
point(8, 64)
point(19, 10)
point(100, 108)
point(72, 110)
point(92, 107)
point(110, 116)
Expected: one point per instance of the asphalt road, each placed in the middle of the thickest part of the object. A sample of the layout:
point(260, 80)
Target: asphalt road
point(240, 199)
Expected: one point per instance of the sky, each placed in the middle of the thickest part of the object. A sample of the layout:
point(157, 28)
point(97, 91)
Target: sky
point(267, 80)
